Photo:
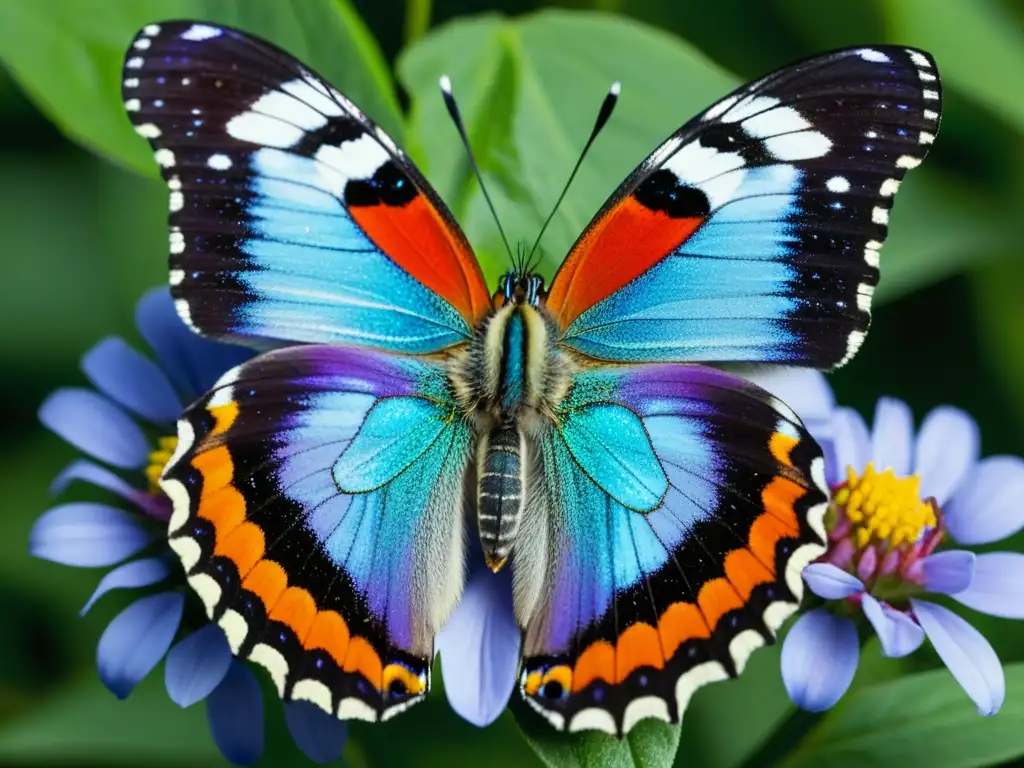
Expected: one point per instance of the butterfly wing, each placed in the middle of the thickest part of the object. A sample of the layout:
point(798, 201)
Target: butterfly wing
point(292, 215)
point(677, 508)
point(752, 233)
point(317, 496)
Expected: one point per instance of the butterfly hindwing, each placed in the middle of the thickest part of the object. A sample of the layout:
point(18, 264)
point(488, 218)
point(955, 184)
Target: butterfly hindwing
point(292, 215)
point(317, 512)
point(752, 234)
point(664, 550)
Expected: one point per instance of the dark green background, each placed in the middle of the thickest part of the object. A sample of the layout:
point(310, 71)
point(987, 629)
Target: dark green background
point(83, 237)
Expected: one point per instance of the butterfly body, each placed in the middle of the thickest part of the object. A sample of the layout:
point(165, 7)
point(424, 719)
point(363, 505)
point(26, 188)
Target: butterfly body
point(656, 513)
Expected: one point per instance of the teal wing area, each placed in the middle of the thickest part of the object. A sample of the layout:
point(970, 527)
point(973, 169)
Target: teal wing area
point(318, 515)
point(677, 509)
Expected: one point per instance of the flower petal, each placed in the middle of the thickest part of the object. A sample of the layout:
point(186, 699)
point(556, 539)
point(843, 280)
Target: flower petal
point(135, 641)
point(832, 583)
point(138, 573)
point(898, 633)
point(86, 535)
point(819, 658)
point(997, 586)
point(192, 362)
point(989, 504)
point(804, 390)
point(197, 665)
point(948, 572)
point(892, 435)
point(320, 736)
point(852, 444)
point(966, 653)
point(101, 477)
point(479, 649)
point(947, 447)
point(132, 380)
point(96, 426)
point(235, 713)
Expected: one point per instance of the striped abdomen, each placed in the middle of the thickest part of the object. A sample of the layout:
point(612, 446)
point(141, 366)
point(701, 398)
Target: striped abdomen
point(500, 491)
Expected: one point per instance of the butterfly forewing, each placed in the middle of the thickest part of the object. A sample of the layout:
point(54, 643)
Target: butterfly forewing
point(753, 233)
point(292, 215)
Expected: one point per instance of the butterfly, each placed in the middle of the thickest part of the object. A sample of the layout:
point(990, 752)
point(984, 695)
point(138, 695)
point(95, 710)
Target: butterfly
point(655, 511)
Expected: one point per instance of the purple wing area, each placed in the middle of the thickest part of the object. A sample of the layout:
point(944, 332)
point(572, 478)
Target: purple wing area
point(317, 515)
point(636, 609)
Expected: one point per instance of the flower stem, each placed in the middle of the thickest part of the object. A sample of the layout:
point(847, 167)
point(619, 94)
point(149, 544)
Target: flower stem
point(417, 19)
point(783, 739)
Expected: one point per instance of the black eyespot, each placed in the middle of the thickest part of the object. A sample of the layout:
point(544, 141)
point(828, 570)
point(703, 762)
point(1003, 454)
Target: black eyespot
point(552, 689)
point(663, 192)
point(397, 688)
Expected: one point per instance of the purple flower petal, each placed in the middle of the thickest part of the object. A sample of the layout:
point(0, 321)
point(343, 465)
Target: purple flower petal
point(194, 363)
point(96, 426)
point(805, 391)
point(892, 436)
point(86, 535)
point(135, 641)
point(320, 736)
point(947, 447)
point(852, 444)
point(132, 380)
point(989, 504)
point(90, 472)
point(819, 658)
point(998, 585)
point(948, 572)
point(831, 583)
point(138, 573)
point(966, 653)
point(235, 713)
point(479, 649)
point(197, 665)
point(899, 634)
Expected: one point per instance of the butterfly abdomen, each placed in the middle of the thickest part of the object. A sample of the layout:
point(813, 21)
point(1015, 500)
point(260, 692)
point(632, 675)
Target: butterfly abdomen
point(500, 491)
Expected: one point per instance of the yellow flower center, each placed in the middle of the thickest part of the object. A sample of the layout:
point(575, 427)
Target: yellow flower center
point(158, 460)
point(884, 508)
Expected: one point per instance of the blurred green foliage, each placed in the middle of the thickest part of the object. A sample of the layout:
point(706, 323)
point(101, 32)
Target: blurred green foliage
point(83, 237)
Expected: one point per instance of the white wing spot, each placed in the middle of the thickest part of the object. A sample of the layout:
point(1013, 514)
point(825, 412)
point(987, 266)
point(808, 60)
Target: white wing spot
point(907, 161)
point(142, 43)
point(880, 215)
point(774, 122)
point(838, 184)
point(720, 108)
point(804, 145)
point(931, 114)
point(889, 187)
point(178, 246)
point(132, 105)
point(164, 158)
point(151, 29)
point(177, 202)
point(926, 138)
point(219, 162)
point(134, 63)
point(147, 130)
point(262, 129)
point(201, 32)
point(930, 94)
point(131, 82)
point(919, 59)
point(869, 54)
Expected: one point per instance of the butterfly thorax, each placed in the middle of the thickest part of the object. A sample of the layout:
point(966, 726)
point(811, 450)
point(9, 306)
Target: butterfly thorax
point(509, 381)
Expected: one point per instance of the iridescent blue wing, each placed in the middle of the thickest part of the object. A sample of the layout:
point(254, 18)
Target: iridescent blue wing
point(292, 215)
point(676, 510)
point(753, 232)
point(317, 514)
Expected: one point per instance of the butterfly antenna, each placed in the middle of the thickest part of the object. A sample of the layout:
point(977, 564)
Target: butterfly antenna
point(602, 118)
point(453, 110)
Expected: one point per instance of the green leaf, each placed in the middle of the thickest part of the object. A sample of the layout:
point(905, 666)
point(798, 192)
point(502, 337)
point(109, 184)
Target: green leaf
point(85, 721)
point(979, 48)
point(923, 719)
point(529, 89)
point(939, 227)
point(650, 744)
point(67, 54)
